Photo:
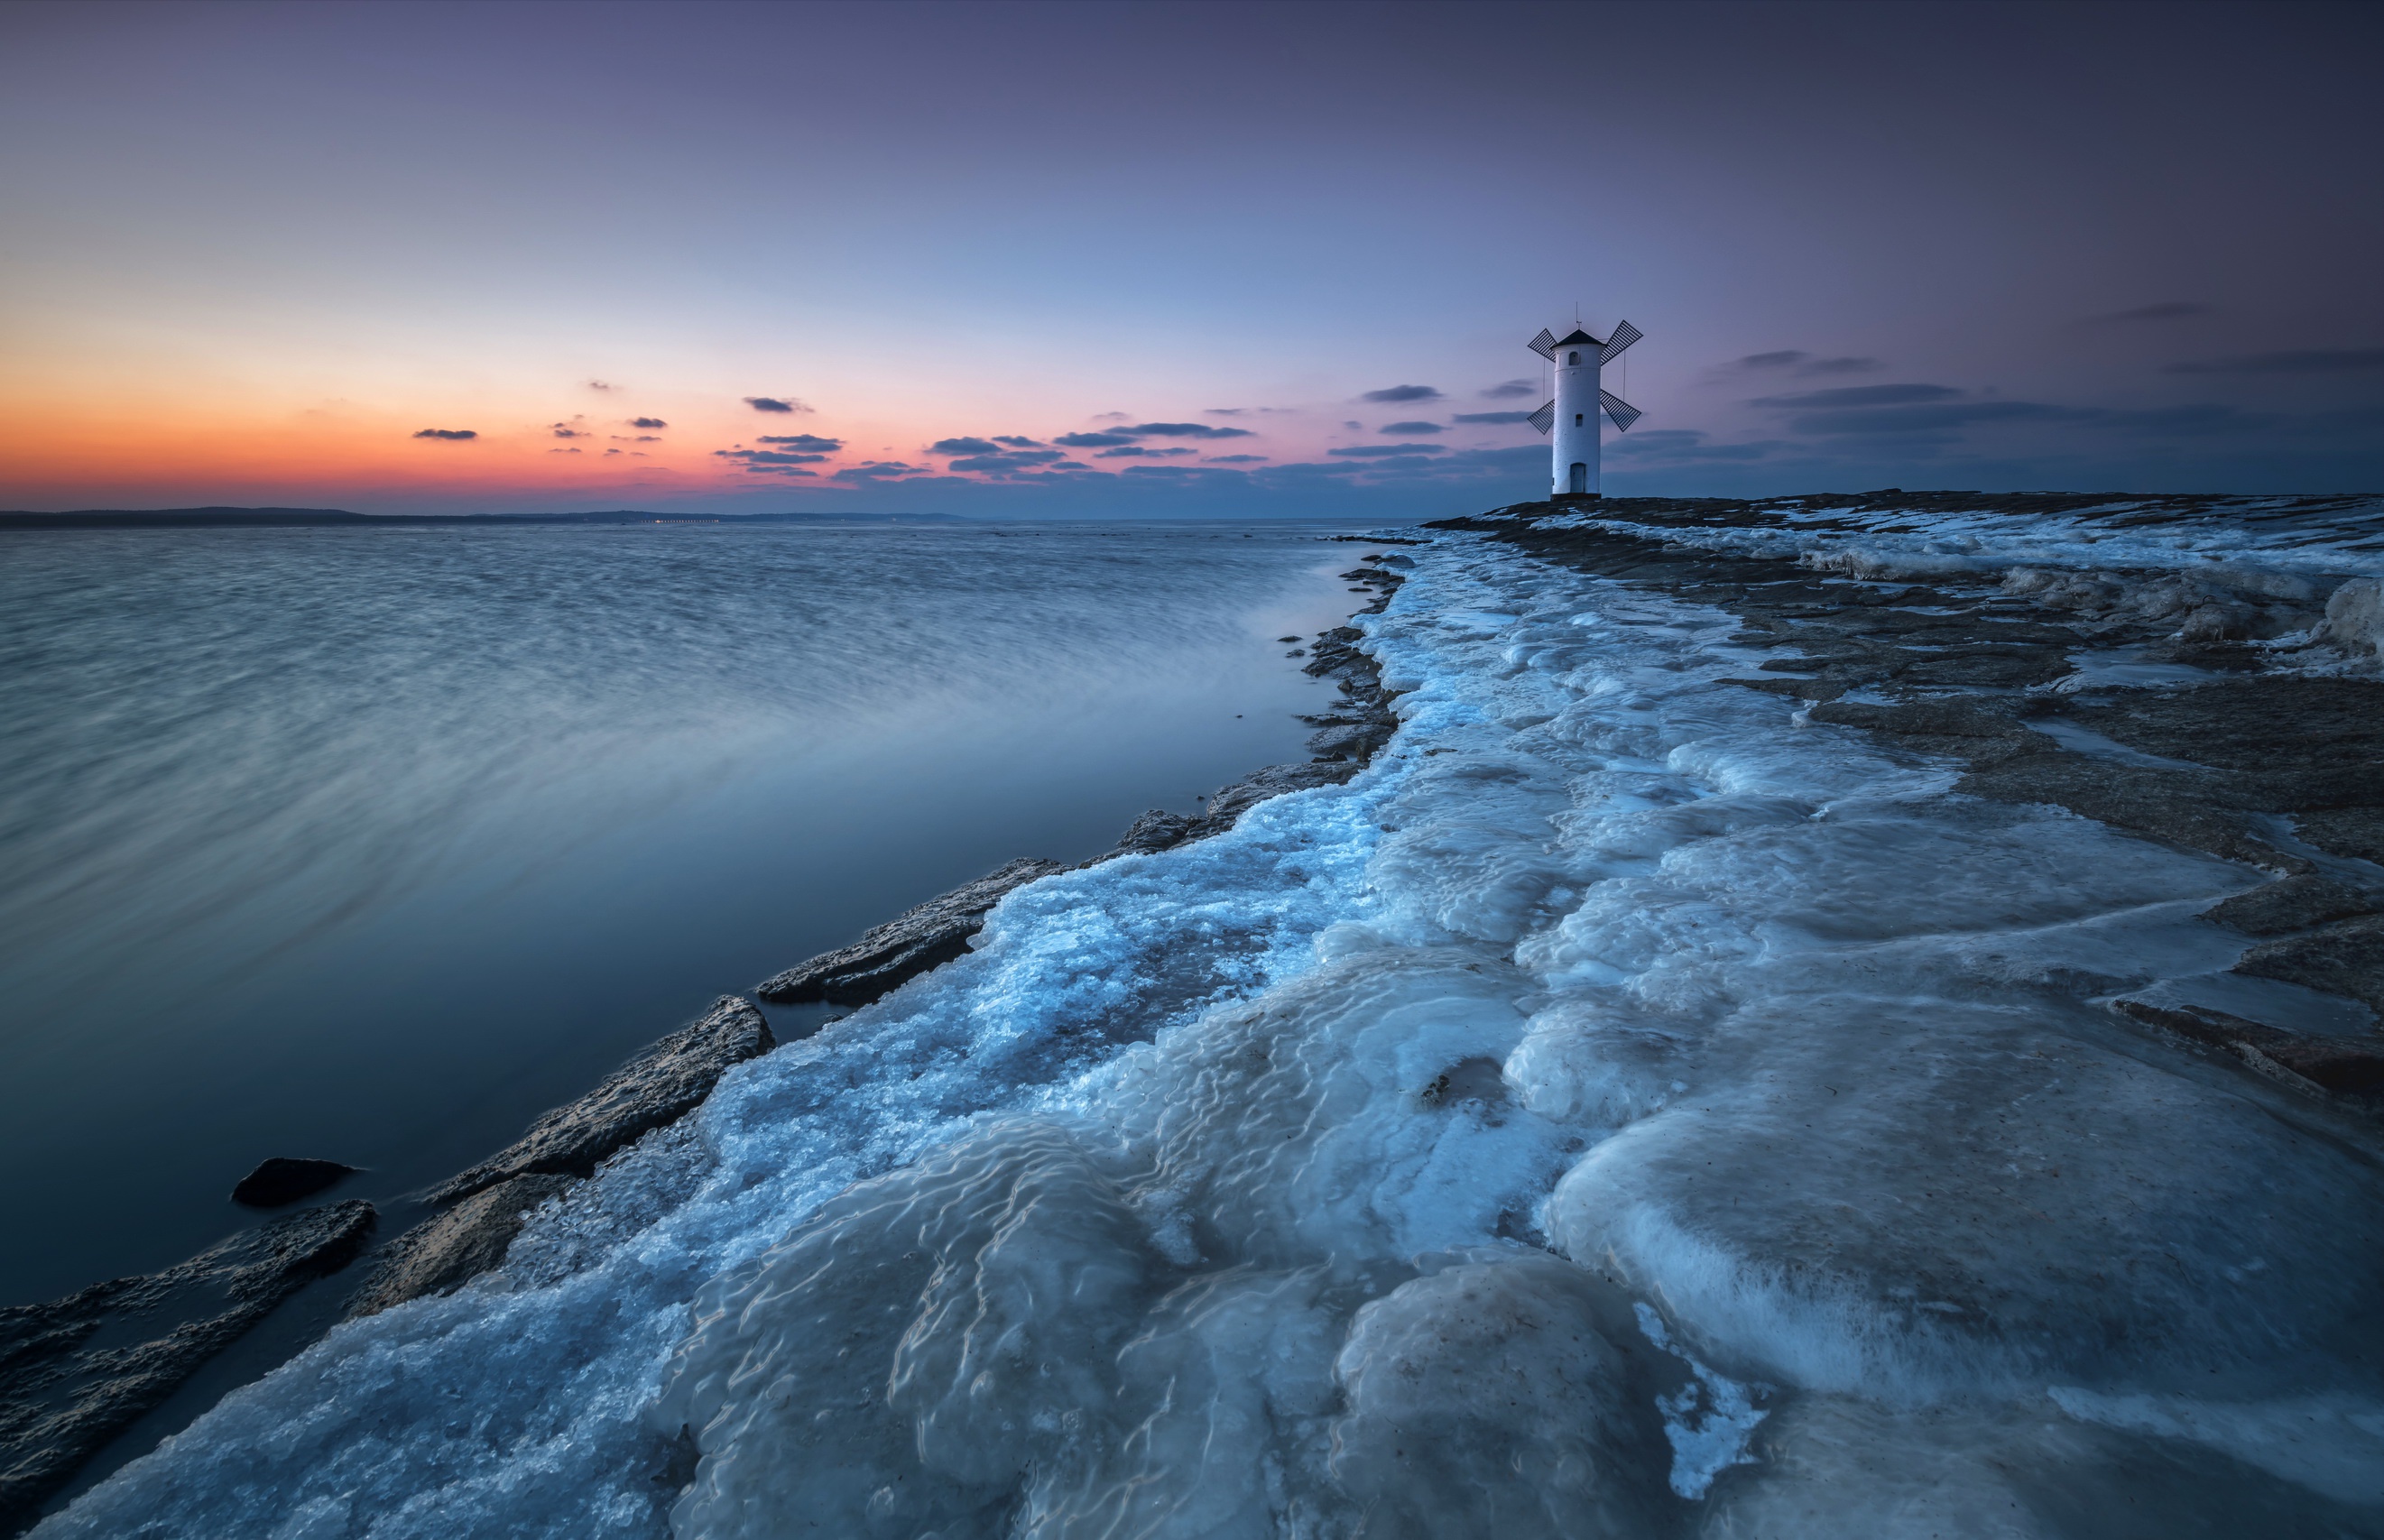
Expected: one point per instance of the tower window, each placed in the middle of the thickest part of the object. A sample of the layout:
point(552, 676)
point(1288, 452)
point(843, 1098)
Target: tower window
point(1572, 358)
point(1576, 419)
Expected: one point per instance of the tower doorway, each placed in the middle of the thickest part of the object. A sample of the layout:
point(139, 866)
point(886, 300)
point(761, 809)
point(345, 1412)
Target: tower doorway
point(1577, 478)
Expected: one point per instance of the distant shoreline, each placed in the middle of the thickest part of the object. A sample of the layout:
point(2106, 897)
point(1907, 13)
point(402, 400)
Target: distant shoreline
point(289, 518)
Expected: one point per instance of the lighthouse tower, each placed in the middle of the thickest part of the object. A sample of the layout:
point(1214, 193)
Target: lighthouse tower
point(1571, 420)
point(1574, 466)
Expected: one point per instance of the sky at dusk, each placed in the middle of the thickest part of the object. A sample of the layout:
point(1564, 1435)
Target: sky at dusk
point(1115, 259)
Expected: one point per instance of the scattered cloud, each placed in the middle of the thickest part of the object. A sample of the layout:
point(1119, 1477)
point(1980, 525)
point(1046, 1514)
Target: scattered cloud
point(1510, 390)
point(2168, 310)
point(1402, 392)
point(1794, 361)
point(563, 452)
point(1354, 427)
point(1379, 451)
point(1112, 416)
point(1911, 413)
point(1184, 430)
point(1014, 441)
point(1410, 429)
point(1131, 451)
point(1224, 411)
point(600, 384)
point(646, 439)
point(453, 435)
point(1002, 462)
point(879, 470)
point(562, 432)
point(612, 452)
point(1115, 436)
point(1861, 395)
point(803, 441)
point(2305, 361)
point(1491, 416)
point(775, 404)
point(1235, 459)
point(965, 446)
point(770, 462)
point(648, 422)
point(1684, 445)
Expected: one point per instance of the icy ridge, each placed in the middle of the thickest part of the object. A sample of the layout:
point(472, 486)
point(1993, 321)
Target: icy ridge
point(1343, 1170)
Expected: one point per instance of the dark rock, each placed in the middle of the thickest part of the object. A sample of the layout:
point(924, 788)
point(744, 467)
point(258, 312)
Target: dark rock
point(1275, 780)
point(906, 946)
point(2255, 724)
point(1356, 740)
point(2357, 832)
point(2295, 904)
point(2345, 958)
point(1955, 718)
point(79, 1370)
point(445, 1253)
point(658, 1087)
point(281, 1180)
point(2332, 1066)
point(1156, 830)
point(2175, 806)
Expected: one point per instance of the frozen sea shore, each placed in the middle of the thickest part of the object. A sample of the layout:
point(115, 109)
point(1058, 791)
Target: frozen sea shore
point(1662, 1095)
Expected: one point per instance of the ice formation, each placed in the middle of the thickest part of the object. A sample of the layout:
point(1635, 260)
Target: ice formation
point(1629, 1109)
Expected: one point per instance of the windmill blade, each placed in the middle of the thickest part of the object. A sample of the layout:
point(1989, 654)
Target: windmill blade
point(1624, 335)
point(1621, 411)
point(1545, 417)
point(1544, 345)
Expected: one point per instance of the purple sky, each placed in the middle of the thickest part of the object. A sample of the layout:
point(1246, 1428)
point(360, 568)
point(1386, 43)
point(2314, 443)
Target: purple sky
point(252, 251)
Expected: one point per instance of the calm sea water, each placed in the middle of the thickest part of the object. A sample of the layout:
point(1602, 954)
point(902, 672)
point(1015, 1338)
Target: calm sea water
point(372, 845)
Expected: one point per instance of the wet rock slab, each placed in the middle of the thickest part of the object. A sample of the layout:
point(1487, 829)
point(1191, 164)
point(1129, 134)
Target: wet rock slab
point(76, 1371)
point(467, 1240)
point(658, 1087)
point(906, 946)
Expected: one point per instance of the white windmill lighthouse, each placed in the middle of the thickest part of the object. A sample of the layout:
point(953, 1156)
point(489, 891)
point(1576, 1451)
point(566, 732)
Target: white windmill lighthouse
point(1573, 414)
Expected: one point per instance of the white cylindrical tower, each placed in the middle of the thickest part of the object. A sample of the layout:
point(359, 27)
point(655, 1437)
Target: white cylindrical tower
point(1574, 437)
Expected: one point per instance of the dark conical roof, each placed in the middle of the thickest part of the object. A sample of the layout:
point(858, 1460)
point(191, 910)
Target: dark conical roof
point(1578, 336)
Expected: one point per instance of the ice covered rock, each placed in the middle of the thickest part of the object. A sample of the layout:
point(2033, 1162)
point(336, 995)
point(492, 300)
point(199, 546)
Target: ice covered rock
point(1484, 1401)
point(2354, 617)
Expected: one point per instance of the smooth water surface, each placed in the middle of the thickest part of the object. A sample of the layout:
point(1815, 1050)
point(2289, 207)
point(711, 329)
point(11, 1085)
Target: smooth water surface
point(372, 845)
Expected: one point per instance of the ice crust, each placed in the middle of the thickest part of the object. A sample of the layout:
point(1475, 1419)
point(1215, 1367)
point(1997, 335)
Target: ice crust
point(1625, 1110)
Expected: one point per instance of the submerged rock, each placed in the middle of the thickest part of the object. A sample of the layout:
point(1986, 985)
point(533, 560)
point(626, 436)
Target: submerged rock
point(281, 1179)
point(79, 1368)
point(458, 1245)
point(656, 1087)
point(904, 947)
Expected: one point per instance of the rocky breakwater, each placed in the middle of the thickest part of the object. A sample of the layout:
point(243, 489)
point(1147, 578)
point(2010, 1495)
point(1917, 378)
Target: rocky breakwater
point(76, 1371)
point(2225, 707)
point(70, 1380)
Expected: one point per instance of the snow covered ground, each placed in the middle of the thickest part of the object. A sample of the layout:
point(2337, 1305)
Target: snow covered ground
point(1628, 1109)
